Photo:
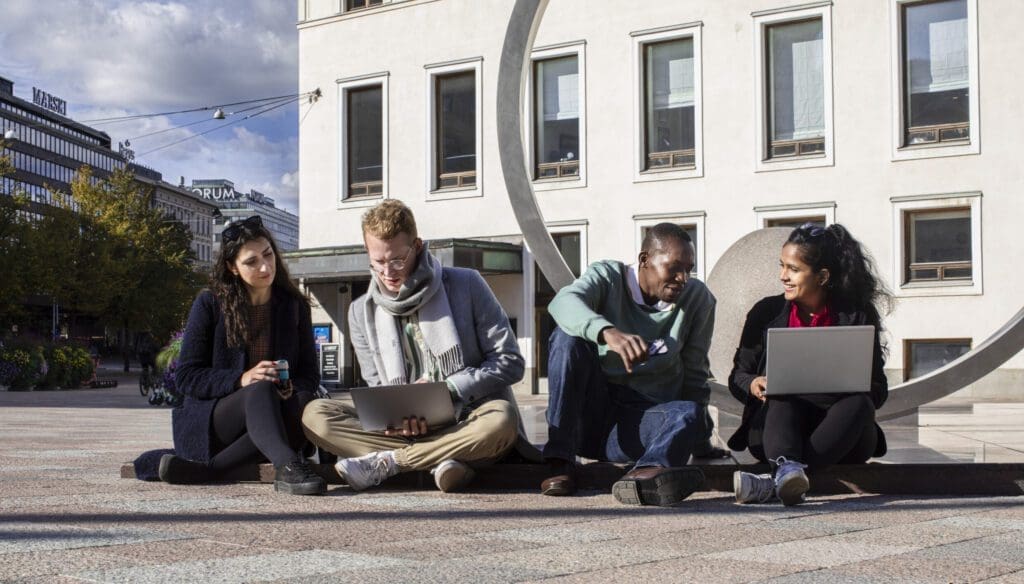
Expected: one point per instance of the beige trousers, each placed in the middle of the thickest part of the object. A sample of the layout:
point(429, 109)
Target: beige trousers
point(482, 438)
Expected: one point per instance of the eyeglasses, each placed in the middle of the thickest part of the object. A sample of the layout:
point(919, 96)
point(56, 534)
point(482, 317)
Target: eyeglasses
point(231, 232)
point(394, 265)
point(812, 230)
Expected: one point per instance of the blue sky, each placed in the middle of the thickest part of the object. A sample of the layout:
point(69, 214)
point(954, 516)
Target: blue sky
point(111, 58)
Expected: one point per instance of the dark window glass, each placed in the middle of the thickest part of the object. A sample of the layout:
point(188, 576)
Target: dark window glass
point(557, 117)
point(365, 141)
point(455, 123)
point(939, 245)
point(796, 89)
point(669, 104)
point(926, 356)
point(935, 72)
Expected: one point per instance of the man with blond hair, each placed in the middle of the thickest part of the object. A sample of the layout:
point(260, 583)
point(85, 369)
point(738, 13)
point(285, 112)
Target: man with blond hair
point(421, 322)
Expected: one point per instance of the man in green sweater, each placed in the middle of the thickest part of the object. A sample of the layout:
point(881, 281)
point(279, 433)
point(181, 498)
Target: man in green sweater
point(628, 372)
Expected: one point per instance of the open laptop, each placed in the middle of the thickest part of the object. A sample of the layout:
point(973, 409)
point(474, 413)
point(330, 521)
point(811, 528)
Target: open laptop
point(831, 359)
point(384, 406)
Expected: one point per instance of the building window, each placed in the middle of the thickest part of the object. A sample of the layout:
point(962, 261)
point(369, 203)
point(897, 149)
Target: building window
point(692, 223)
point(570, 246)
point(938, 245)
point(365, 142)
point(669, 105)
point(558, 118)
point(795, 88)
point(936, 93)
point(455, 123)
point(935, 78)
point(794, 215)
point(794, 222)
point(453, 130)
point(922, 356)
point(361, 4)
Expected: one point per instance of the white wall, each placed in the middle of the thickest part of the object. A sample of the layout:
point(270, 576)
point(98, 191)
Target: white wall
point(404, 37)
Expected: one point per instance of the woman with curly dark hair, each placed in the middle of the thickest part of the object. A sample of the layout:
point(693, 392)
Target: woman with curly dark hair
point(247, 369)
point(828, 280)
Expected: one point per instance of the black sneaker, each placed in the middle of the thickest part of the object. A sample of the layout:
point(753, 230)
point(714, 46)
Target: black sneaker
point(297, 478)
point(178, 471)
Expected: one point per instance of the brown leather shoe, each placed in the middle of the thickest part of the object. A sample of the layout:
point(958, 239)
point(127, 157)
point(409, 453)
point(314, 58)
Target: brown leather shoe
point(562, 479)
point(656, 485)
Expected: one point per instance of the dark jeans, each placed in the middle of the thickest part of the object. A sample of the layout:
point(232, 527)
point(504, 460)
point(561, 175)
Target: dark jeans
point(596, 419)
point(821, 429)
point(253, 424)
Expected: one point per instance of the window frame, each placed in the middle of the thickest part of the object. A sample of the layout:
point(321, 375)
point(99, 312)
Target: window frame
point(344, 86)
point(762, 21)
point(695, 218)
point(577, 49)
point(433, 72)
point(902, 207)
point(936, 150)
point(764, 214)
point(640, 40)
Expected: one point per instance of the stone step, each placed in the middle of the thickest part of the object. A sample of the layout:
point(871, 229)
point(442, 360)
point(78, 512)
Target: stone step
point(978, 479)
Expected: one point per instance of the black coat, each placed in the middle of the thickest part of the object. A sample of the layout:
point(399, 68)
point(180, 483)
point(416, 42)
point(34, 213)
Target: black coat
point(750, 362)
point(208, 369)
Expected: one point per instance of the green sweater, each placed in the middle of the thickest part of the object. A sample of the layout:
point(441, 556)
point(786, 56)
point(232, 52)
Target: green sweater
point(600, 298)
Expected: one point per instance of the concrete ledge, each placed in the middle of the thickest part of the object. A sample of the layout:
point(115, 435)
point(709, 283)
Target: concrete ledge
point(981, 479)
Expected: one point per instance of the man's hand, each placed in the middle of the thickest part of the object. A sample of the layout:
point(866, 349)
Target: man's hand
point(631, 348)
point(757, 387)
point(411, 427)
point(262, 371)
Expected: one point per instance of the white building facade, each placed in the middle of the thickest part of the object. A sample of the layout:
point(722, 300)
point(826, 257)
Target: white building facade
point(896, 118)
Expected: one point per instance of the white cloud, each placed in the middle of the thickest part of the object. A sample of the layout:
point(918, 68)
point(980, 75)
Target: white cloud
point(121, 57)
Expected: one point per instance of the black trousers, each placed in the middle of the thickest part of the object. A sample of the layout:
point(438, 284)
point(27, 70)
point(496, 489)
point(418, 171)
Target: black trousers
point(820, 429)
point(253, 425)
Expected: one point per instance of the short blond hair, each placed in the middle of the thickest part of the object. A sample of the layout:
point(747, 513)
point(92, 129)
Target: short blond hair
point(388, 219)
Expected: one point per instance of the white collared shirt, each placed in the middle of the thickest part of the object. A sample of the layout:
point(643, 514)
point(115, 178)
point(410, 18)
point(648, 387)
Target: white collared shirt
point(634, 291)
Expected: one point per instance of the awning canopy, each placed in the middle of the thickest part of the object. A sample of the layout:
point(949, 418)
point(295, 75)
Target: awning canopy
point(347, 262)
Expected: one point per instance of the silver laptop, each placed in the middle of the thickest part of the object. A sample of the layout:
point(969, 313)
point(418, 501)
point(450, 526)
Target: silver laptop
point(831, 359)
point(384, 406)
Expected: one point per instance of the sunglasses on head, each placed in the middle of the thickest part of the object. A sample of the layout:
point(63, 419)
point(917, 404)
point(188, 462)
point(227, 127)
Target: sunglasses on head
point(812, 230)
point(231, 232)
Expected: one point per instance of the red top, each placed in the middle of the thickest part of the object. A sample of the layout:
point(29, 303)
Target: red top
point(823, 318)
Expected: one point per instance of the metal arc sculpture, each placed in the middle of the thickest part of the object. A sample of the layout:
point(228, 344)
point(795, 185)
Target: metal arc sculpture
point(732, 273)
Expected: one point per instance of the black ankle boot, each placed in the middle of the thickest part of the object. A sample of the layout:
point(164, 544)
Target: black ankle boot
point(178, 471)
point(297, 478)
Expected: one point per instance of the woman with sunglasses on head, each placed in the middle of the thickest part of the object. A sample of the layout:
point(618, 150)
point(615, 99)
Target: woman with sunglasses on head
point(828, 280)
point(247, 369)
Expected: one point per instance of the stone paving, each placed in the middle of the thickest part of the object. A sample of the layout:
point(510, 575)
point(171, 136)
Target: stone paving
point(66, 516)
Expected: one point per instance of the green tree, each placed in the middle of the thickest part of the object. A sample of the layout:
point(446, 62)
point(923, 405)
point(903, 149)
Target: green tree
point(140, 258)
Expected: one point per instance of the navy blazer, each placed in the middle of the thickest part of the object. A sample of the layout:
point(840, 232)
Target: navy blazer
point(208, 369)
point(751, 359)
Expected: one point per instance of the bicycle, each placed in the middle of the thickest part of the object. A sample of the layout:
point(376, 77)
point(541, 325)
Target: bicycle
point(149, 379)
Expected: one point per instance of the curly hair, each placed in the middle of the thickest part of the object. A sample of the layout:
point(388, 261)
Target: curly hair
point(386, 220)
point(853, 281)
point(230, 291)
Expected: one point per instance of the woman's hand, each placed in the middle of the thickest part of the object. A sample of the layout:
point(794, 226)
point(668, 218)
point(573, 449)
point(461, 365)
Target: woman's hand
point(757, 387)
point(262, 371)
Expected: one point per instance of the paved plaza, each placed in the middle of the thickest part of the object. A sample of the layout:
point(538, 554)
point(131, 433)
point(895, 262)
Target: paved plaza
point(66, 516)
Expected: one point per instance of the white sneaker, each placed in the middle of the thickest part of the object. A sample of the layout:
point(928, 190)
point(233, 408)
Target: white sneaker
point(791, 483)
point(452, 475)
point(752, 488)
point(367, 471)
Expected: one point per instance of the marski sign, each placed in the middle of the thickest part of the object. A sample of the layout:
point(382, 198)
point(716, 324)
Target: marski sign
point(50, 102)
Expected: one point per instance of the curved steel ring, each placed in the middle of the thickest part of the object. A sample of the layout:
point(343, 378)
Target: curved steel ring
point(515, 57)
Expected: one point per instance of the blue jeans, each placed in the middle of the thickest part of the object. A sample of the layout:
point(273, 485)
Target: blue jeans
point(591, 417)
